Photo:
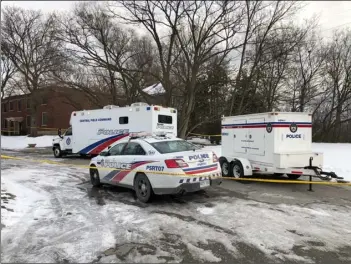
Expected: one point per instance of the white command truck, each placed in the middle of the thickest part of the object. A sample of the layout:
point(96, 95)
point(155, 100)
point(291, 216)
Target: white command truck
point(92, 131)
point(270, 143)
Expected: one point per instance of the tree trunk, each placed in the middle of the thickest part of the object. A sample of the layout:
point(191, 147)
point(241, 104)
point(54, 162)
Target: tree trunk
point(337, 127)
point(33, 115)
point(189, 105)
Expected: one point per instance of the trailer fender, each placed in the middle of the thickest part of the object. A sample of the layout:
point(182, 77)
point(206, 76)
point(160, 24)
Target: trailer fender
point(246, 165)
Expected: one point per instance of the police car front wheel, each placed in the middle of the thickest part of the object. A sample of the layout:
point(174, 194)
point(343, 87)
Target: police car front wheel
point(94, 177)
point(143, 188)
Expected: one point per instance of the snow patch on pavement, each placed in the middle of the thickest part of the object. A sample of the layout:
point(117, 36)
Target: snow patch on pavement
point(25, 198)
point(203, 255)
point(262, 225)
point(205, 210)
point(21, 142)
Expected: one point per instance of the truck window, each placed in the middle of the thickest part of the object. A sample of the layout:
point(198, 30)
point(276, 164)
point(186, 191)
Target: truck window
point(164, 119)
point(68, 132)
point(134, 149)
point(123, 120)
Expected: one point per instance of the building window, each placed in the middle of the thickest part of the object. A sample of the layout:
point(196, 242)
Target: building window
point(28, 104)
point(19, 105)
point(44, 100)
point(4, 107)
point(4, 123)
point(123, 120)
point(44, 119)
point(11, 106)
point(28, 121)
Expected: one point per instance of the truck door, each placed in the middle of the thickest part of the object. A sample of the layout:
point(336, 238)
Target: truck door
point(67, 140)
point(240, 136)
point(256, 137)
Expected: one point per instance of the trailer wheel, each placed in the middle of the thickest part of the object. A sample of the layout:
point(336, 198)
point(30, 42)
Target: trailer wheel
point(57, 152)
point(237, 169)
point(225, 167)
point(293, 176)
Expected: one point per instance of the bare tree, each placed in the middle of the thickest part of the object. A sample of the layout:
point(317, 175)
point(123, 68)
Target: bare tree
point(154, 17)
point(97, 41)
point(8, 70)
point(197, 31)
point(337, 79)
point(304, 82)
point(30, 41)
point(267, 22)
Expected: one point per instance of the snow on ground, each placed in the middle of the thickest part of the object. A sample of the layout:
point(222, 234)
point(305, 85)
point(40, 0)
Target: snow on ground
point(52, 220)
point(49, 216)
point(21, 142)
point(336, 157)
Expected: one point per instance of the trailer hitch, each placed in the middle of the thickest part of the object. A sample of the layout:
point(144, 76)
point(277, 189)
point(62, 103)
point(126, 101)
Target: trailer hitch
point(319, 172)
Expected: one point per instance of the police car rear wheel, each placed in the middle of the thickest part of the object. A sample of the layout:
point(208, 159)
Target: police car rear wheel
point(94, 177)
point(143, 188)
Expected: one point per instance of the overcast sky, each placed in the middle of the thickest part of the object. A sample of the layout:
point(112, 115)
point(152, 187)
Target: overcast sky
point(333, 14)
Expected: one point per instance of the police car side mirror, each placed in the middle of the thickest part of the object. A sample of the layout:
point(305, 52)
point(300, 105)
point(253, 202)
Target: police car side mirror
point(104, 153)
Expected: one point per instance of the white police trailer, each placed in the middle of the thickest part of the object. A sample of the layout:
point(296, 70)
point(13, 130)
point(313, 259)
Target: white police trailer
point(270, 143)
point(92, 131)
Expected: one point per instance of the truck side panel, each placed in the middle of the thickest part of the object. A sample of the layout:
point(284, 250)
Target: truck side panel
point(94, 130)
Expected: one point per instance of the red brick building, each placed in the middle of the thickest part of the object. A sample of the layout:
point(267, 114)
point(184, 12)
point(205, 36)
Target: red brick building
point(53, 112)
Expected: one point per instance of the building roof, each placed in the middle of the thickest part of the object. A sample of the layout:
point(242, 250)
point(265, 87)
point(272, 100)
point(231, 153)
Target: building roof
point(154, 89)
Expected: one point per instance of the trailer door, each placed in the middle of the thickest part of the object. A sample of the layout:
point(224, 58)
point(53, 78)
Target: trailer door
point(240, 135)
point(256, 136)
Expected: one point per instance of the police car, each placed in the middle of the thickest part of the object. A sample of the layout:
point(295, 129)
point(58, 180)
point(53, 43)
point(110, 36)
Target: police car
point(155, 164)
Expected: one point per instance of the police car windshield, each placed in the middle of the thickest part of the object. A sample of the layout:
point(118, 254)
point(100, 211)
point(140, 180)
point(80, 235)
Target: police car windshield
point(173, 146)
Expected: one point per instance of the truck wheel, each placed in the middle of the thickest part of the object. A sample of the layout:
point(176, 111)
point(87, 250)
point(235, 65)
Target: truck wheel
point(94, 177)
point(293, 176)
point(143, 188)
point(57, 152)
point(237, 169)
point(225, 167)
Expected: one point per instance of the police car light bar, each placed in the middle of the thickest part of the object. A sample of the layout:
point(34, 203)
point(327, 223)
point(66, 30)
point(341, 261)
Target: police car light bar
point(140, 134)
point(162, 133)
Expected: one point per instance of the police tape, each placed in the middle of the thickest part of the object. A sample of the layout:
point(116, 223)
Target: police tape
point(178, 174)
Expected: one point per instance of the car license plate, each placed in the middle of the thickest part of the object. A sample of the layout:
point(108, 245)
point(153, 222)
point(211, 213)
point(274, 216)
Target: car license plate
point(204, 183)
